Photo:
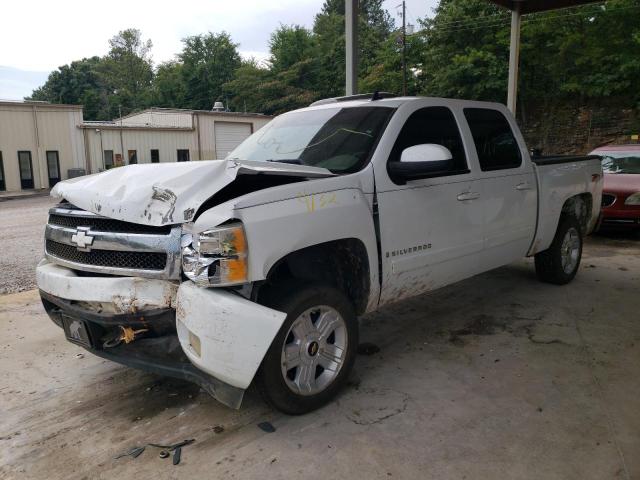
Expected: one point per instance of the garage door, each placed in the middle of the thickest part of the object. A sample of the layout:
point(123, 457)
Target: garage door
point(229, 136)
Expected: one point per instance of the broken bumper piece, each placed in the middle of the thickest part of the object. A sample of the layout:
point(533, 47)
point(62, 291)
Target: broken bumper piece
point(223, 333)
point(212, 337)
point(158, 351)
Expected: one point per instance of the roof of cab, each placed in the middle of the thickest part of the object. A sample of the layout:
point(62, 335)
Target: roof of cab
point(392, 102)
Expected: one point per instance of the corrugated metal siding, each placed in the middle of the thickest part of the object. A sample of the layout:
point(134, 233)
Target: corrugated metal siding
point(229, 135)
point(208, 123)
point(56, 130)
point(166, 142)
point(159, 119)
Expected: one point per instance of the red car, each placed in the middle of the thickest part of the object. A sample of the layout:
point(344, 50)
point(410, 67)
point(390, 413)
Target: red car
point(621, 191)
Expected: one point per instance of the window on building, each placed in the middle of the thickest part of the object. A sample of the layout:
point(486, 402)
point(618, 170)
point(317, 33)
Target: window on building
point(3, 185)
point(133, 157)
point(26, 169)
point(183, 155)
point(53, 167)
point(108, 159)
point(155, 156)
point(495, 143)
point(432, 125)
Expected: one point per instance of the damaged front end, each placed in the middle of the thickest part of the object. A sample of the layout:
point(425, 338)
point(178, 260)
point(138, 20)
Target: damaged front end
point(131, 321)
point(123, 273)
point(156, 350)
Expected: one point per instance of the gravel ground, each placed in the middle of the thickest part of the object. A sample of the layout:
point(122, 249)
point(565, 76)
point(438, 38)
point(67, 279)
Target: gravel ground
point(21, 239)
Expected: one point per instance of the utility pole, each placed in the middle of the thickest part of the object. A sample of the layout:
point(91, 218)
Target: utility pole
point(404, 48)
point(121, 141)
point(351, 46)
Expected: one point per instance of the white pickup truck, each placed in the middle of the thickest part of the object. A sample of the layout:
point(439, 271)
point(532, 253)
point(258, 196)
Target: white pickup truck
point(255, 268)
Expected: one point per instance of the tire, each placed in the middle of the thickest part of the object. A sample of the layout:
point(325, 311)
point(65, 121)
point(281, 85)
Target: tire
point(560, 262)
point(321, 322)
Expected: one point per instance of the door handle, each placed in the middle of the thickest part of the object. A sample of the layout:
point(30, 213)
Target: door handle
point(523, 186)
point(468, 196)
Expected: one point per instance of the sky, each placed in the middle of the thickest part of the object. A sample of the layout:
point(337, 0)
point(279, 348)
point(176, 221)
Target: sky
point(41, 35)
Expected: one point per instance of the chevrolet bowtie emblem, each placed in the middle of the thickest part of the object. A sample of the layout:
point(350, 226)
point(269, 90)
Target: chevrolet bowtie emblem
point(82, 239)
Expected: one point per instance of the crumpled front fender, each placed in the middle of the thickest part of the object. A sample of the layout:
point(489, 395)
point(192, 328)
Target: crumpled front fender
point(224, 334)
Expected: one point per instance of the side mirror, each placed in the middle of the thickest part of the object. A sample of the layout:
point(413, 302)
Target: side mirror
point(421, 161)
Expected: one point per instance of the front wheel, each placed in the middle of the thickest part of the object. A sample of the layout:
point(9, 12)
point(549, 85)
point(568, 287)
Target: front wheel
point(310, 358)
point(559, 263)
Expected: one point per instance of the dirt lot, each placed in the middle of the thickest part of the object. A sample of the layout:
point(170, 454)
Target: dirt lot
point(496, 377)
point(22, 234)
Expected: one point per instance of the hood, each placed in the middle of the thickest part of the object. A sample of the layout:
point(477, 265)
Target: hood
point(621, 183)
point(164, 194)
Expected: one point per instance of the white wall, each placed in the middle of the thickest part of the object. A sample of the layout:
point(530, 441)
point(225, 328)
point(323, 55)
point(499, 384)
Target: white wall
point(38, 129)
point(167, 141)
point(159, 118)
point(207, 129)
point(143, 141)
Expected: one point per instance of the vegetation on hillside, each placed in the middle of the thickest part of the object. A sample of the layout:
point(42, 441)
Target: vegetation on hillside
point(587, 52)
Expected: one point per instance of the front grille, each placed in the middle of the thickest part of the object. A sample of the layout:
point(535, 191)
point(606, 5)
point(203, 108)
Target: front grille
point(108, 258)
point(87, 242)
point(102, 224)
point(608, 199)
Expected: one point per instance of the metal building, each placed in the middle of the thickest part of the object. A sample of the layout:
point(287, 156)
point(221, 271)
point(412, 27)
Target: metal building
point(42, 143)
point(167, 135)
point(39, 144)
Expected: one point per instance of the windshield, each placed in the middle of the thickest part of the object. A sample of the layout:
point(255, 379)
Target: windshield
point(339, 139)
point(620, 162)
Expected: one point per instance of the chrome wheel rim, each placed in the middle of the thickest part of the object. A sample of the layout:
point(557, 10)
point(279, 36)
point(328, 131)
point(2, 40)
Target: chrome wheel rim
point(314, 350)
point(570, 250)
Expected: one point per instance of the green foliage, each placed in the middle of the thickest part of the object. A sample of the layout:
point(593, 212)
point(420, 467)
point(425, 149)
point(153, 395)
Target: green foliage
point(169, 89)
point(289, 45)
point(77, 83)
point(583, 53)
point(127, 71)
point(208, 62)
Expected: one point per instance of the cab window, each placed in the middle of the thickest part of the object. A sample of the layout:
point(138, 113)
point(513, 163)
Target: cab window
point(432, 125)
point(495, 143)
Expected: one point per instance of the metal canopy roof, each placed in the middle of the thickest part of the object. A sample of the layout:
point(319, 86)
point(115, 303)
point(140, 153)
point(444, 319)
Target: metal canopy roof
point(532, 6)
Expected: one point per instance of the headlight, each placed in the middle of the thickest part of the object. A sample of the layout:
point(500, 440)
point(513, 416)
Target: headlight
point(633, 199)
point(217, 257)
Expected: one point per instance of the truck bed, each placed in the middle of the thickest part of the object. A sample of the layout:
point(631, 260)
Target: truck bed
point(559, 178)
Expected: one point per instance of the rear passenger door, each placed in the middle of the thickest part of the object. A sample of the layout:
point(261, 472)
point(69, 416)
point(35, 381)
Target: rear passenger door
point(508, 184)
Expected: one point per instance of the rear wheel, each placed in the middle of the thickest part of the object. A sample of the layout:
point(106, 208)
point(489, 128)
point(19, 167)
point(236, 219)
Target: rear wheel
point(560, 262)
point(314, 351)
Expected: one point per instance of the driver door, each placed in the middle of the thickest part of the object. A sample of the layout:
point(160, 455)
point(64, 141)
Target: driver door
point(431, 230)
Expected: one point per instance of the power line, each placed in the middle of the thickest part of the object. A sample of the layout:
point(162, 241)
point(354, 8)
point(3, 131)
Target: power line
point(491, 23)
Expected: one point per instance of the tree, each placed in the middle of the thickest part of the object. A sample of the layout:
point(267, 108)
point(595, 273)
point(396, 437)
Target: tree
point(290, 44)
point(585, 52)
point(208, 62)
point(128, 71)
point(468, 50)
point(246, 89)
point(169, 89)
point(79, 82)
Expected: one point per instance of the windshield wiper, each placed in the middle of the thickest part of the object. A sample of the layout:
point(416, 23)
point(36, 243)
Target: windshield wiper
point(294, 161)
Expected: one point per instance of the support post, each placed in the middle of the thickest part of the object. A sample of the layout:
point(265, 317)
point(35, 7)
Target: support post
point(514, 58)
point(404, 48)
point(351, 40)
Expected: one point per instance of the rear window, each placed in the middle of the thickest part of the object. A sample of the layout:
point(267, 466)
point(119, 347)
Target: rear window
point(620, 162)
point(495, 143)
